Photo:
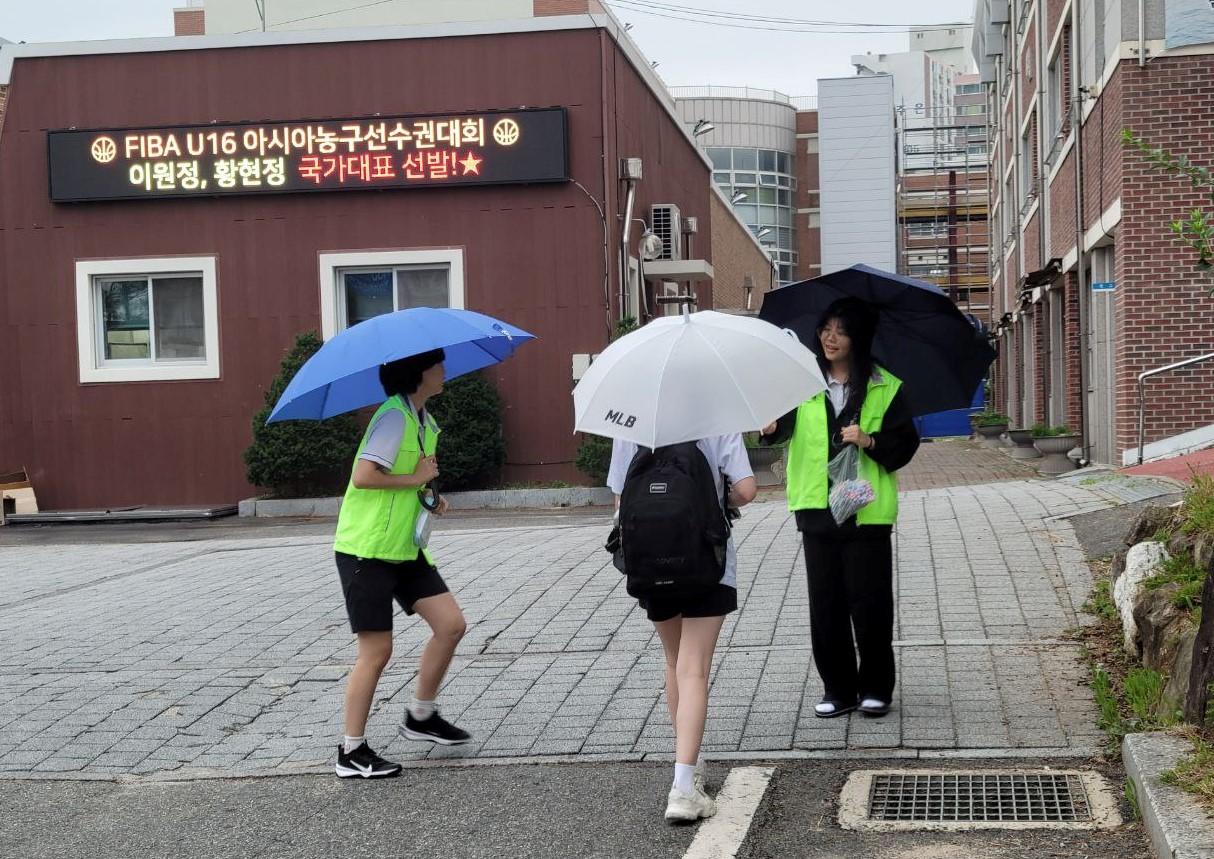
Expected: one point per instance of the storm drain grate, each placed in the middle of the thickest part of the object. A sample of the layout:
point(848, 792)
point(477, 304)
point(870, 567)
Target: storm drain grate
point(979, 797)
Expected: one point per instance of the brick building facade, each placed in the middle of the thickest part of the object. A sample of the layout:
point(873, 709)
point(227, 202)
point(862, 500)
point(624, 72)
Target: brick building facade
point(146, 309)
point(1087, 294)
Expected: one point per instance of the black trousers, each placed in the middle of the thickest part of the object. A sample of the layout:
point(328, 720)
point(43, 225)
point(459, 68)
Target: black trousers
point(850, 577)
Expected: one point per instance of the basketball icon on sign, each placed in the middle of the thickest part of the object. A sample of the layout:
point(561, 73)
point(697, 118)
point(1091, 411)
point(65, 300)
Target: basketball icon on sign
point(506, 132)
point(104, 149)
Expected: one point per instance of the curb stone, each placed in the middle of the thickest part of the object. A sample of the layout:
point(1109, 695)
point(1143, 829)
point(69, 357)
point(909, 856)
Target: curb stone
point(1177, 827)
point(497, 499)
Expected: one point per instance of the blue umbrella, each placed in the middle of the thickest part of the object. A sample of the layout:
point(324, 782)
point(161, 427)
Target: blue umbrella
point(344, 374)
point(921, 337)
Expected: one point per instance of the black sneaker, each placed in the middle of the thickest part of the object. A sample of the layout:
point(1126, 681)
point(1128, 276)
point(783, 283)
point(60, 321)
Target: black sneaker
point(364, 762)
point(436, 729)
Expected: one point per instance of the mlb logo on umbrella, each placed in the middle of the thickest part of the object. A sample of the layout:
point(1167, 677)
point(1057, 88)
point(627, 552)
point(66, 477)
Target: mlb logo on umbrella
point(619, 419)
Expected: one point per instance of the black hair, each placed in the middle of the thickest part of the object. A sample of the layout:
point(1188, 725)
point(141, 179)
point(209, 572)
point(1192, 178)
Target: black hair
point(859, 322)
point(405, 375)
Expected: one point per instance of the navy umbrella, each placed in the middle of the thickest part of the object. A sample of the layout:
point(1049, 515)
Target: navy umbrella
point(924, 340)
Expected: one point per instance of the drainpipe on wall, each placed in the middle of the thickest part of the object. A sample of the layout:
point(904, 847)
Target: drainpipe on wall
point(1043, 211)
point(625, 235)
point(605, 120)
point(1142, 34)
point(1085, 308)
point(1045, 370)
point(1012, 291)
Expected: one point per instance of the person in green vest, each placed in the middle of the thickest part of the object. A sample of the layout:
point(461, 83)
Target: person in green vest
point(849, 566)
point(379, 560)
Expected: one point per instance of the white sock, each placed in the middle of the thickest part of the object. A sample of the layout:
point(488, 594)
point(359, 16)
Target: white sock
point(349, 744)
point(684, 777)
point(421, 710)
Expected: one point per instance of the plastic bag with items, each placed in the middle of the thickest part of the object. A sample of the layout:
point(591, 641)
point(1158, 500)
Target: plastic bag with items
point(848, 492)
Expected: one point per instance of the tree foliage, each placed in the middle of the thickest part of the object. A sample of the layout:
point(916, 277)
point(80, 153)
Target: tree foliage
point(471, 449)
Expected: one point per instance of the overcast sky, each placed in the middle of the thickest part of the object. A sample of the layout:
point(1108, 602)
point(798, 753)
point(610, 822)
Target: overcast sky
point(687, 52)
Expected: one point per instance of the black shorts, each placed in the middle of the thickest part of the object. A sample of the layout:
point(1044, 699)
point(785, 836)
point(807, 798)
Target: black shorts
point(370, 585)
point(719, 601)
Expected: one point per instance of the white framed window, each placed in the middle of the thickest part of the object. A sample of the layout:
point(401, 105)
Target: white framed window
point(357, 285)
point(147, 319)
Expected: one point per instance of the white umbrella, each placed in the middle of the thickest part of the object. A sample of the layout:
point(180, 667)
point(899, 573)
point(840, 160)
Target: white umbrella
point(688, 377)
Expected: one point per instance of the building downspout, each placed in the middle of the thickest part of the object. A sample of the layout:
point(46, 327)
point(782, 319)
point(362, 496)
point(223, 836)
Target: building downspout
point(1045, 368)
point(1085, 310)
point(1042, 209)
point(1142, 33)
point(625, 235)
point(1012, 290)
point(604, 47)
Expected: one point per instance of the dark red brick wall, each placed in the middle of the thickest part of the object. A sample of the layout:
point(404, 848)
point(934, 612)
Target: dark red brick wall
point(1028, 61)
point(1062, 208)
point(189, 22)
point(541, 8)
point(1032, 243)
point(807, 196)
point(1164, 311)
point(1073, 345)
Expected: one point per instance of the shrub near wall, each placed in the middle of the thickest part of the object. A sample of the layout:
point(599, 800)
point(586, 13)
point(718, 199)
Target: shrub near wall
point(471, 450)
point(300, 459)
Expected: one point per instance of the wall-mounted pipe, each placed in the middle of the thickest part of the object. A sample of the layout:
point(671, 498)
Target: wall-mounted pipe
point(1142, 33)
point(625, 237)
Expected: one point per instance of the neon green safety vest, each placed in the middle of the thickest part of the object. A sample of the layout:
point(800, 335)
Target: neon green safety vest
point(808, 487)
point(378, 523)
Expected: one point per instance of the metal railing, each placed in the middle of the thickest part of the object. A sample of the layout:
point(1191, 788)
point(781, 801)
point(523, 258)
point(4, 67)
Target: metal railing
point(729, 92)
point(1142, 394)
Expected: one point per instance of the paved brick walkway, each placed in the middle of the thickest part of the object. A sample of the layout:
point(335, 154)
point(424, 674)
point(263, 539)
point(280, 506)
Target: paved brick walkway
point(230, 655)
point(960, 462)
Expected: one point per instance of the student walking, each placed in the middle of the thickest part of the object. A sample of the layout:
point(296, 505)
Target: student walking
point(849, 565)
point(379, 560)
point(672, 511)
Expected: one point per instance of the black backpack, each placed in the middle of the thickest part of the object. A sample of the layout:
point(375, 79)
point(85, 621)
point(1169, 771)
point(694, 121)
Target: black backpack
point(673, 530)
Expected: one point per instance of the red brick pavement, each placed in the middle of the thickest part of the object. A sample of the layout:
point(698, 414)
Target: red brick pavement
point(1180, 467)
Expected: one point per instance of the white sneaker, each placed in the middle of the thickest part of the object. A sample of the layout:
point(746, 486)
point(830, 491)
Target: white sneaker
point(689, 807)
point(698, 777)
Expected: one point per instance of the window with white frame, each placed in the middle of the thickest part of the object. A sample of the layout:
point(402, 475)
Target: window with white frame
point(150, 319)
point(1055, 95)
point(1028, 190)
point(356, 286)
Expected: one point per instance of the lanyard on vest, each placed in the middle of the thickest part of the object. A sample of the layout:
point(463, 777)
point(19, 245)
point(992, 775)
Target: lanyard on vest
point(429, 499)
point(421, 427)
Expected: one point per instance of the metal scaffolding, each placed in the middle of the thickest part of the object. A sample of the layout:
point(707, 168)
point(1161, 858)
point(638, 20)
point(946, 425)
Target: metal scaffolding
point(943, 205)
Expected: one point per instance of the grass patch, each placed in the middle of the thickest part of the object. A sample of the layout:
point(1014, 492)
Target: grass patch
point(1195, 774)
point(1129, 698)
point(1180, 569)
point(1100, 603)
point(1198, 506)
point(1131, 796)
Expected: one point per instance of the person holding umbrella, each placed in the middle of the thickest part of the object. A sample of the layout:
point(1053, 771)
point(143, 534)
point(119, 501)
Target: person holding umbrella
point(895, 348)
point(674, 396)
point(382, 530)
point(689, 622)
point(379, 560)
point(849, 563)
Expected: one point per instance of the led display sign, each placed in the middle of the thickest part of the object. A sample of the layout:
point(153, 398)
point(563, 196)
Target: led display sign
point(526, 145)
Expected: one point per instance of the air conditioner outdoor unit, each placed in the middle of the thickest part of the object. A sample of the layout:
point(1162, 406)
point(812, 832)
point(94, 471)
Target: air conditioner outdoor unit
point(666, 224)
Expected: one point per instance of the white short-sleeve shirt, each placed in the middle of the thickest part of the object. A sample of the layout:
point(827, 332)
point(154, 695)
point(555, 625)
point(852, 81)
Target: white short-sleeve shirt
point(726, 455)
